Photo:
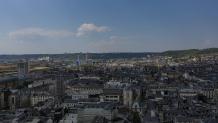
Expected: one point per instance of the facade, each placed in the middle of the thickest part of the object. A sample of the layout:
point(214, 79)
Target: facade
point(187, 93)
point(59, 88)
point(209, 93)
point(8, 82)
point(9, 99)
point(36, 98)
point(111, 95)
point(88, 114)
point(86, 90)
point(79, 96)
point(128, 97)
point(4, 98)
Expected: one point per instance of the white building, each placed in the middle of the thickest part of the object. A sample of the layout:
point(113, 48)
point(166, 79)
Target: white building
point(40, 97)
point(116, 84)
point(85, 90)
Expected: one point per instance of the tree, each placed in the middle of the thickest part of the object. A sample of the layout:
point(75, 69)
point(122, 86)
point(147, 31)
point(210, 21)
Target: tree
point(136, 117)
point(202, 98)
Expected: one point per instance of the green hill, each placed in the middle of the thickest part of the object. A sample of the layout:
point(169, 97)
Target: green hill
point(190, 52)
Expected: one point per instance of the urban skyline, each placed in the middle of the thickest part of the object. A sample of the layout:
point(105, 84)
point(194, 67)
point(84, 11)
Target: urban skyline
point(108, 61)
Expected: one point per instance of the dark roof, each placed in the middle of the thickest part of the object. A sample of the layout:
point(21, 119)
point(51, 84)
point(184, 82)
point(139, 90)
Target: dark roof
point(112, 92)
point(8, 79)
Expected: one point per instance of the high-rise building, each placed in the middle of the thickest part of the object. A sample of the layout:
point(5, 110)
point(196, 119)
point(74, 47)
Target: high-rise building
point(78, 62)
point(86, 58)
point(22, 69)
point(59, 88)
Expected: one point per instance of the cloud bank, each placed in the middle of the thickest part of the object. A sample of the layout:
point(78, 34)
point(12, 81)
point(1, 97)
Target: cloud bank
point(39, 33)
point(35, 33)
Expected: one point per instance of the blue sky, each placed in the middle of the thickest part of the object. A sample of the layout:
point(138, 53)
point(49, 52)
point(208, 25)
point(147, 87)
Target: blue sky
point(59, 26)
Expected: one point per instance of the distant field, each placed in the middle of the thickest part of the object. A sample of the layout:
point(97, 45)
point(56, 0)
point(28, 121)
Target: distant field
point(39, 68)
point(11, 68)
point(7, 67)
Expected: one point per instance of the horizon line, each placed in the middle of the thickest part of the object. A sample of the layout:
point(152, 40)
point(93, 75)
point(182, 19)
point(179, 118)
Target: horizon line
point(105, 52)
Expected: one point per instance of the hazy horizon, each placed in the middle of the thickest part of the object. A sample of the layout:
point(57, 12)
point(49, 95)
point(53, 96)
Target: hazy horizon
point(61, 26)
point(105, 52)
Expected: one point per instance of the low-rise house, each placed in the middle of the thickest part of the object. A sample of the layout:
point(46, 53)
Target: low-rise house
point(111, 95)
point(106, 110)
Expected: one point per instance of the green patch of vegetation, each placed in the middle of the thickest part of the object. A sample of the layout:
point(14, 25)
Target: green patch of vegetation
point(190, 52)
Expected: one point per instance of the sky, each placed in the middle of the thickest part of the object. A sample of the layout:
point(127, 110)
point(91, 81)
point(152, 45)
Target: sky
point(68, 26)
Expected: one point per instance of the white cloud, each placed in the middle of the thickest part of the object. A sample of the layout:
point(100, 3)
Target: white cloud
point(35, 33)
point(89, 27)
point(41, 33)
